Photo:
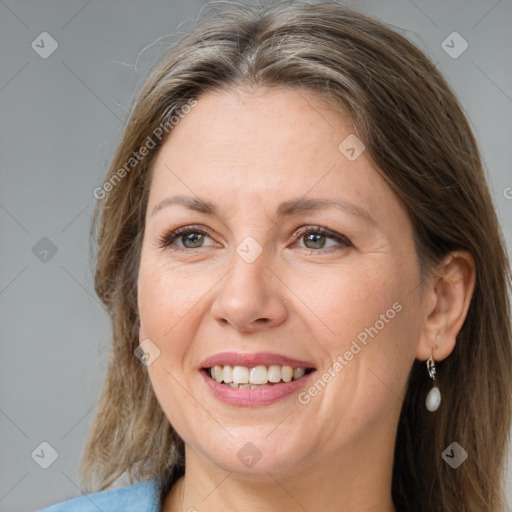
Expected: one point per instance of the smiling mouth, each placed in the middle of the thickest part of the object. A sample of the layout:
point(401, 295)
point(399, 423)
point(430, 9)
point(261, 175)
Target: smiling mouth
point(261, 376)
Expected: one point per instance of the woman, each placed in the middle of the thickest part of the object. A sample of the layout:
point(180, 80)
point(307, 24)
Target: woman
point(307, 282)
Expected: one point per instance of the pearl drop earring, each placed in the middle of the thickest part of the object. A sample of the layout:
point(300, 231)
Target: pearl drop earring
point(434, 395)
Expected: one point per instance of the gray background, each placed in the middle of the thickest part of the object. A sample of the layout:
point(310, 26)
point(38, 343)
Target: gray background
point(60, 120)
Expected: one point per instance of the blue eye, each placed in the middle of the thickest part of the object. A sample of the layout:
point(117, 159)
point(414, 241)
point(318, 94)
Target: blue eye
point(317, 236)
point(185, 236)
point(192, 237)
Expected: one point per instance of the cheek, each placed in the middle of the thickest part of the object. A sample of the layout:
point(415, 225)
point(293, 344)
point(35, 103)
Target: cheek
point(166, 311)
point(341, 302)
point(364, 314)
point(166, 300)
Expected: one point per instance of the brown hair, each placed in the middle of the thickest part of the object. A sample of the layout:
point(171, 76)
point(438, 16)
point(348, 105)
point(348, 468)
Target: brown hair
point(416, 134)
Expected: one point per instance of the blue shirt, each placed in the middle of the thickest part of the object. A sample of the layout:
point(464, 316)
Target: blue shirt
point(141, 497)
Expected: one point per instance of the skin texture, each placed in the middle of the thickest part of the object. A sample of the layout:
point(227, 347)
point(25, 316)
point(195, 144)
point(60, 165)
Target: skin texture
point(247, 151)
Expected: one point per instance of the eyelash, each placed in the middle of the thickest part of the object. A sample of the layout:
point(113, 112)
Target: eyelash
point(165, 242)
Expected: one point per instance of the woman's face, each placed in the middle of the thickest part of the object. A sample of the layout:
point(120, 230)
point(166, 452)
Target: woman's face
point(255, 285)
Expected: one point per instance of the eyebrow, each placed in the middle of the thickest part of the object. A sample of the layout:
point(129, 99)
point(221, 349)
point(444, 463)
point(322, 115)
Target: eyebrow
point(290, 207)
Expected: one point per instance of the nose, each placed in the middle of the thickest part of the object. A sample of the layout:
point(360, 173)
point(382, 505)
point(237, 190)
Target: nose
point(250, 297)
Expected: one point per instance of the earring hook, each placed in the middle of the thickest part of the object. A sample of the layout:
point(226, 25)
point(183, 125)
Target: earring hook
point(431, 367)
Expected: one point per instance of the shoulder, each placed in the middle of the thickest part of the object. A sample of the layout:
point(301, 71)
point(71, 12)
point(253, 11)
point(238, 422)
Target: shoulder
point(141, 497)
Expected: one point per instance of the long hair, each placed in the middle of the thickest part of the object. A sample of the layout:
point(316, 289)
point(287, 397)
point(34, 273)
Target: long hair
point(419, 139)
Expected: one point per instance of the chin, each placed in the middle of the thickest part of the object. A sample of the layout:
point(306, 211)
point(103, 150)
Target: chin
point(251, 454)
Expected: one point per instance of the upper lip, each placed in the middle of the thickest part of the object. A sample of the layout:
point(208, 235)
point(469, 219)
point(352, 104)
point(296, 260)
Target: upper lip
point(252, 360)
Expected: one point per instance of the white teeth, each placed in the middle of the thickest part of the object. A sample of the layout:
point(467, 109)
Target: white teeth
point(217, 373)
point(247, 386)
point(274, 373)
point(227, 374)
point(258, 376)
point(298, 373)
point(286, 373)
point(240, 374)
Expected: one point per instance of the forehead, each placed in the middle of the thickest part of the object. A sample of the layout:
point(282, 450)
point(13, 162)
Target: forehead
point(261, 147)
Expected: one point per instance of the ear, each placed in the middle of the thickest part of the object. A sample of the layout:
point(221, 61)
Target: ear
point(447, 295)
point(141, 333)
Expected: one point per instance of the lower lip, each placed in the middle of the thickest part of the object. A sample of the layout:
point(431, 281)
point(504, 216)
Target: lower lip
point(256, 396)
